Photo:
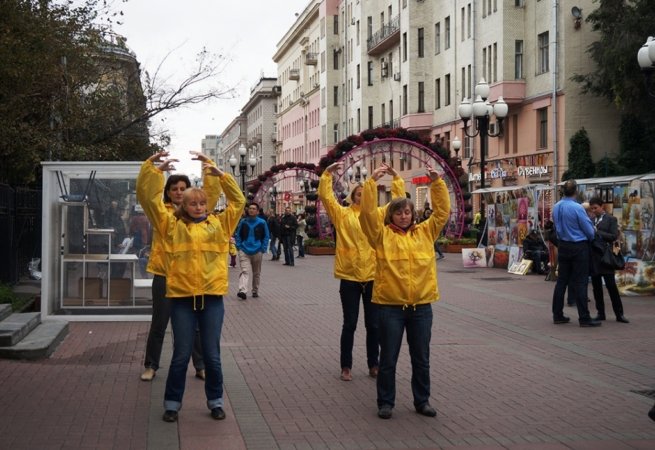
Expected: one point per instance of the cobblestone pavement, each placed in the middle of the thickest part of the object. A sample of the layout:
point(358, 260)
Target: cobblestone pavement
point(503, 376)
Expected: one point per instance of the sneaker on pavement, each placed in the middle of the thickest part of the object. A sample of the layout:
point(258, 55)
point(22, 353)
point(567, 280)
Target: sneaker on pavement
point(148, 374)
point(384, 412)
point(218, 413)
point(241, 295)
point(255, 295)
point(346, 375)
point(170, 416)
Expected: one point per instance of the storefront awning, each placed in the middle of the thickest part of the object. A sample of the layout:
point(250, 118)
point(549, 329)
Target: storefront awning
point(493, 190)
point(623, 179)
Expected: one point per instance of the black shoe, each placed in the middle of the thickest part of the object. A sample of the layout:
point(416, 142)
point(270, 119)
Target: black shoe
point(218, 413)
point(255, 295)
point(427, 410)
point(600, 317)
point(384, 412)
point(622, 319)
point(591, 323)
point(241, 295)
point(170, 416)
point(561, 320)
point(651, 413)
point(570, 304)
point(285, 264)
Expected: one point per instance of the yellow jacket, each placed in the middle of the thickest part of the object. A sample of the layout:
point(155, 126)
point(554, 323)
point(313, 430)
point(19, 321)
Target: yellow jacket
point(406, 272)
point(354, 258)
point(211, 186)
point(195, 254)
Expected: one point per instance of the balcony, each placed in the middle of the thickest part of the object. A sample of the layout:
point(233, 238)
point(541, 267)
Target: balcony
point(294, 74)
point(385, 38)
point(311, 59)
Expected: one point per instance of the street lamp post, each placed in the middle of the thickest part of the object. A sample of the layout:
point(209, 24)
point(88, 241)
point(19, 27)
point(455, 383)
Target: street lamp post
point(481, 111)
point(360, 172)
point(646, 58)
point(243, 165)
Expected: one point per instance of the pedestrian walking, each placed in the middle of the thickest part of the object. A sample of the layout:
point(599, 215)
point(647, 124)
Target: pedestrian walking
point(301, 235)
point(274, 232)
point(288, 225)
point(405, 286)
point(574, 235)
point(195, 262)
point(354, 266)
point(173, 193)
point(607, 230)
point(252, 238)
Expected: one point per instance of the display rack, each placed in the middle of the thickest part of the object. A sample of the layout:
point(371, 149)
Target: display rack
point(87, 263)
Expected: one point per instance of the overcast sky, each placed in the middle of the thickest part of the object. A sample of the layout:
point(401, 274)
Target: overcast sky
point(248, 31)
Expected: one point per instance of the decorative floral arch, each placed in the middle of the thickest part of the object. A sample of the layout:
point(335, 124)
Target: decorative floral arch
point(379, 143)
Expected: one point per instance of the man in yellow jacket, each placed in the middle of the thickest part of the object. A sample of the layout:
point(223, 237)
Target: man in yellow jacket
point(405, 286)
point(195, 246)
point(354, 265)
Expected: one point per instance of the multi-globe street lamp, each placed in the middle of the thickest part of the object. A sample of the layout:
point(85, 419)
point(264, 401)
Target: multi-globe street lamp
point(360, 173)
point(481, 110)
point(646, 58)
point(243, 165)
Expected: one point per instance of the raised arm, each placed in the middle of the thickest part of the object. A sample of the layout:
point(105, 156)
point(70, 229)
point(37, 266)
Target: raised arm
point(150, 190)
point(369, 217)
point(210, 184)
point(235, 199)
point(326, 194)
point(440, 203)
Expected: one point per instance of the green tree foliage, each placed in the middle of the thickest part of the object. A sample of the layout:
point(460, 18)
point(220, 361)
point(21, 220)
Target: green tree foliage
point(622, 28)
point(579, 162)
point(69, 92)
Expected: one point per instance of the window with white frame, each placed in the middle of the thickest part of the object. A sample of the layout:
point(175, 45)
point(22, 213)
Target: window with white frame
point(542, 42)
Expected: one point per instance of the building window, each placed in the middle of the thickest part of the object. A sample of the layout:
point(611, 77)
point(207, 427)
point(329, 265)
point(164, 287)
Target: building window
point(421, 43)
point(404, 99)
point(446, 44)
point(447, 90)
point(468, 81)
point(468, 21)
point(391, 111)
point(336, 24)
point(437, 93)
point(495, 63)
point(370, 117)
point(437, 38)
point(484, 63)
point(335, 95)
point(359, 120)
point(463, 24)
point(369, 27)
point(421, 96)
point(543, 52)
point(383, 113)
point(404, 46)
point(518, 60)
point(358, 76)
point(542, 115)
point(369, 70)
point(335, 60)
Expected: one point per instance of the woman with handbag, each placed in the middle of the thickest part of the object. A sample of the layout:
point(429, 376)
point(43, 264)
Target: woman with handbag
point(607, 231)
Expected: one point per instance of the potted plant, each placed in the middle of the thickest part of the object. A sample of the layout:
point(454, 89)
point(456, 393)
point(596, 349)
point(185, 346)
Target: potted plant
point(319, 246)
point(455, 245)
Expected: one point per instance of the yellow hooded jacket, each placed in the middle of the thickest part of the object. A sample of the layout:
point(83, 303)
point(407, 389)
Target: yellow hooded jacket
point(195, 254)
point(210, 185)
point(406, 273)
point(354, 258)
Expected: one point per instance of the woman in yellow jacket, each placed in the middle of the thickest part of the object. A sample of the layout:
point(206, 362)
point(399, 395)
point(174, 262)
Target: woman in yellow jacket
point(354, 265)
point(161, 306)
point(405, 286)
point(195, 246)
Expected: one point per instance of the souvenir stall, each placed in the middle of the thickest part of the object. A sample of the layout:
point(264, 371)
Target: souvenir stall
point(630, 200)
point(511, 213)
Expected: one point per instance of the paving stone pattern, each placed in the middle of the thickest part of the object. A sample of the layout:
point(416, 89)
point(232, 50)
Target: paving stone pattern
point(503, 376)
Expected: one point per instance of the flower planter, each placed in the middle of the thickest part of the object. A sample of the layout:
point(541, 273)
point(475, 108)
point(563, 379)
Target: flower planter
point(456, 248)
point(320, 250)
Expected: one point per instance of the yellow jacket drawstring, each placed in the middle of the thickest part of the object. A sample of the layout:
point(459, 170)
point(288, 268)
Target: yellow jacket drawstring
point(202, 303)
point(405, 306)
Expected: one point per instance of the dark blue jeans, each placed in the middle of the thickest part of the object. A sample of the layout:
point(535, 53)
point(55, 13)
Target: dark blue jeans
point(272, 246)
point(394, 320)
point(185, 319)
point(301, 249)
point(573, 272)
point(161, 314)
point(287, 243)
point(350, 292)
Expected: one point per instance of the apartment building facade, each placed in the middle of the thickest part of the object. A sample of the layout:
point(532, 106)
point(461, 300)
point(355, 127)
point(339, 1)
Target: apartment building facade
point(260, 113)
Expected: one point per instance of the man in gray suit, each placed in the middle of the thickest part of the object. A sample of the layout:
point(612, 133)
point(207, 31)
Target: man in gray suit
point(607, 229)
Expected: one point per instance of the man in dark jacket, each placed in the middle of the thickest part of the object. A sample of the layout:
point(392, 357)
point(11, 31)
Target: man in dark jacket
point(535, 250)
point(274, 230)
point(288, 225)
point(251, 237)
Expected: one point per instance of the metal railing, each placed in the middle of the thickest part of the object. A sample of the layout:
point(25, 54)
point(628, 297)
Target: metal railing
point(387, 30)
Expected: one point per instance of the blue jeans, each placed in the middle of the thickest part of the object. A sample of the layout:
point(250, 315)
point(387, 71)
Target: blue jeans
point(301, 248)
point(272, 246)
point(184, 320)
point(573, 272)
point(287, 243)
point(350, 292)
point(394, 320)
point(161, 314)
